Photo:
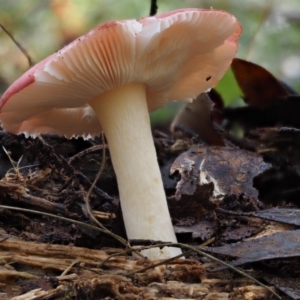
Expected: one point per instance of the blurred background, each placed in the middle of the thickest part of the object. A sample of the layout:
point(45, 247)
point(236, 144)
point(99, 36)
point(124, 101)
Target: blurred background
point(271, 33)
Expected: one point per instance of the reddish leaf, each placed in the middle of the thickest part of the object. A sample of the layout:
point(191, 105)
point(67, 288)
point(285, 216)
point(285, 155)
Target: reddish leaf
point(259, 86)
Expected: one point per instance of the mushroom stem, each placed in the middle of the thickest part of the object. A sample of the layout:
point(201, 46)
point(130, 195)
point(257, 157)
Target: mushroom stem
point(125, 120)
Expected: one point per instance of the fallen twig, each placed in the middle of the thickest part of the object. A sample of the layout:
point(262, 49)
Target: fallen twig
point(7, 273)
point(63, 163)
point(202, 253)
point(22, 196)
point(86, 152)
point(42, 295)
point(87, 196)
point(30, 62)
point(61, 257)
point(105, 231)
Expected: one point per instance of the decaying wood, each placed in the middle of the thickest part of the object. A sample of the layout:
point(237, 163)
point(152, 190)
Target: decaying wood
point(180, 279)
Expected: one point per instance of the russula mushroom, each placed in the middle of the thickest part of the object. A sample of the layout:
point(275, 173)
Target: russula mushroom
point(114, 75)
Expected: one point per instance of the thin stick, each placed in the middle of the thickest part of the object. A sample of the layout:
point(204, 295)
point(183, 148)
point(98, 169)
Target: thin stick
point(250, 215)
point(163, 262)
point(63, 163)
point(85, 152)
point(117, 237)
point(87, 197)
point(264, 16)
point(153, 7)
point(30, 62)
point(66, 271)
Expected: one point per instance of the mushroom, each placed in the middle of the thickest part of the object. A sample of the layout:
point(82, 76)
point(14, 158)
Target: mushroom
point(114, 75)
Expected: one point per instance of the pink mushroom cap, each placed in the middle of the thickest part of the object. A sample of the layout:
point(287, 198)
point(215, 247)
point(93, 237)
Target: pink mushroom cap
point(176, 55)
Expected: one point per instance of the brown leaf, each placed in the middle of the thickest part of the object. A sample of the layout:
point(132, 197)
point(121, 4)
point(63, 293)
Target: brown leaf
point(202, 230)
point(192, 205)
point(288, 285)
point(231, 170)
point(277, 245)
point(259, 86)
point(282, 215)
point(279, 146)
point(195, 118)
